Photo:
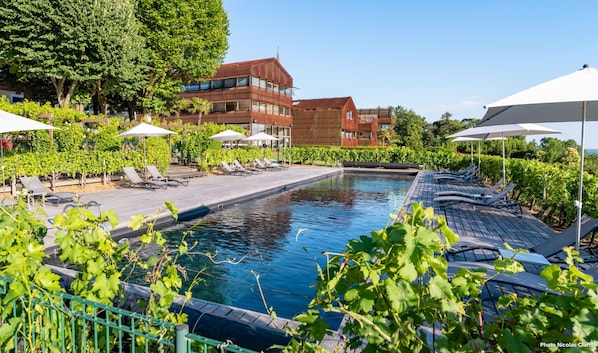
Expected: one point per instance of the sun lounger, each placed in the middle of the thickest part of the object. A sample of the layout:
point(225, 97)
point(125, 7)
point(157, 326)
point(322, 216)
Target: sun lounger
point(479, 193)
point(155, 175)
point(271, 168)
point(136, 181)
point(469, 176)
point(499, 200)
point(546, 249)
point(227, 169)
point(457, 172)
point(270, 163)
point(36, 189)
point(238, 166)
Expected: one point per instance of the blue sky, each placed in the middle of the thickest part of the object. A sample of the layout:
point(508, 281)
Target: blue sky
point(431, 57)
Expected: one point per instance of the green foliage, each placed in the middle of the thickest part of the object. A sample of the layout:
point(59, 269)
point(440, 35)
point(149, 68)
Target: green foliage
point(106, 138)
point(409, 128)
point(70, 138)
point(158, 152)
point(186, 39)
point(86, 243)
point(394, 283)
point(70, 42)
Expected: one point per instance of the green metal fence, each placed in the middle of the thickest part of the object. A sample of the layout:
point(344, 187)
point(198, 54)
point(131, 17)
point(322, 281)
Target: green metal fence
point(45, 322)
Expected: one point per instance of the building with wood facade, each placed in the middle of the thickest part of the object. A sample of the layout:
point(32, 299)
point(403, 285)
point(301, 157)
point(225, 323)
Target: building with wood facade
point(255, 94)
point(325, 122)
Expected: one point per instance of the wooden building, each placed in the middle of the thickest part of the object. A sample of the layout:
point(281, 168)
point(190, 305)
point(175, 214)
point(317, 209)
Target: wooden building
point(372, 121)
point(325, 121)
point(255, 94)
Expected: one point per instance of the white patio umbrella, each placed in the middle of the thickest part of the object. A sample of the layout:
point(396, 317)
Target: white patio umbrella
point(472, 140)
point(12, 123)
point(145, 130)
point(262, 136)
point(503, 131)
point(572, 97)
point(228, 135)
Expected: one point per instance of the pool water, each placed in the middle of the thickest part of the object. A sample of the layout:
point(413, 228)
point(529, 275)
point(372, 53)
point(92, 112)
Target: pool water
point(281, 238)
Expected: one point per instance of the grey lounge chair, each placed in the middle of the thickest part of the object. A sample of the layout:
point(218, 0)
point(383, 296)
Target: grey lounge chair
point(469, 176)
point(480, 193)
point(136, 181)
point(238, 166)
point(548, 248)
point(227, 169)
point(270, 163)
point(457, 172)
point(155, 175)
point(270, 168)
point(36, 189)
point(499, 200)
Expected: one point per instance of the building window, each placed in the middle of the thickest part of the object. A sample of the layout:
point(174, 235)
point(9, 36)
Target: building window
point(255, 106)
point(231, 106)
point(244, 105)
point(262, 83)
point(263, 107)
point(204, 86)
point(269, 108)
point(230, 82)
point(350, 115)
point(270, 86)
point(243, 81)
point(218, 108)
point(255, 81)
point(217, 84)
point(192, 87)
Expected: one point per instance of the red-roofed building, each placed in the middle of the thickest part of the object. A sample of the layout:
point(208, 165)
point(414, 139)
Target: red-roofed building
point(255, 94)
point(325, 122)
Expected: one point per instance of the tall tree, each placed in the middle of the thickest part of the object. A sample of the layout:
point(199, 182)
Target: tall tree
point(409, 128)
point(187, 40)
point(69, 41)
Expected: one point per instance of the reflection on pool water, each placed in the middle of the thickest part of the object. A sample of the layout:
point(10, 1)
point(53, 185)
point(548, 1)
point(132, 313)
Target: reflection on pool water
point(265, 234)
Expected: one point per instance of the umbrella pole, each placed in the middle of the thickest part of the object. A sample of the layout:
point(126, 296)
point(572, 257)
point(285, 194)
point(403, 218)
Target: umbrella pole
point(504, 169)
point(581, 167)
point(471, 151)
point(480, 156)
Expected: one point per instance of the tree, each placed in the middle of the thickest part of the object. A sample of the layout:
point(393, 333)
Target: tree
point(409, 128)
point(187, 40)
point(70, 42)
point(200, 106)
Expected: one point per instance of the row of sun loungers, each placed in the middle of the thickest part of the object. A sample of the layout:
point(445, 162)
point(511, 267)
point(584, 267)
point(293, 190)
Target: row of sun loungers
point(260, 166)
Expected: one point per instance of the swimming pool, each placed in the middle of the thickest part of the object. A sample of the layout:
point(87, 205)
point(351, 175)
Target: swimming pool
point(281, 237)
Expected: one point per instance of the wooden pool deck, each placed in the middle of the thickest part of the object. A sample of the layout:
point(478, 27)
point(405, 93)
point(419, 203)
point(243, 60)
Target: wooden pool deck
point(216, 191)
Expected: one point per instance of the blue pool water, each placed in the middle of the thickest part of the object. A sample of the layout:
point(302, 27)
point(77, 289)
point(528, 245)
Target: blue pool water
point(264, 234)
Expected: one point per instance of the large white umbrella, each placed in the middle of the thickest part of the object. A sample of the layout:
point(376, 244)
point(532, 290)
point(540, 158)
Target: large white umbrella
point(145, 130)
point(503, 131)
point(262, 136)
point(12, 123)
point(228, 135)
point(573, 97)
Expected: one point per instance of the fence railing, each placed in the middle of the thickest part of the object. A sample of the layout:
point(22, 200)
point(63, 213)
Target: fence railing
point(46, 321)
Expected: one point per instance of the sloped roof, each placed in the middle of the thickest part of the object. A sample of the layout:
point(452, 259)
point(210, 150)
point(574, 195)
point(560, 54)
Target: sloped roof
point(321, 103)
point(260, 67)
